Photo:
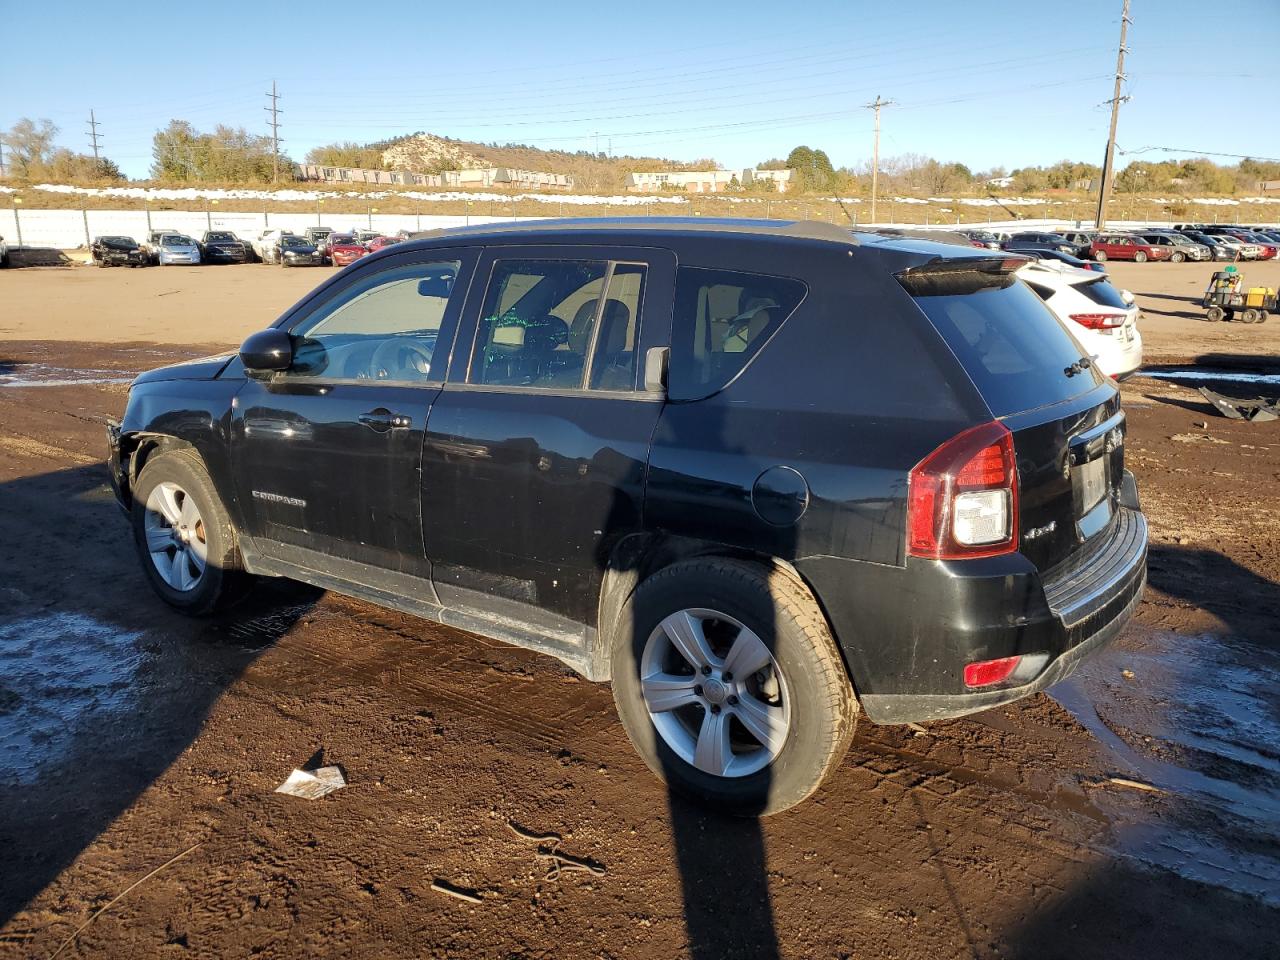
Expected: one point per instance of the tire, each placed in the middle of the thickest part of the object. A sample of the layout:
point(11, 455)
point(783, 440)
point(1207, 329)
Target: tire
point(810, 687)
point(1249, 315)
point(1139, 257)
point(1177, 257)
point(1100, 256)
point(1214, 314)
point(221, 580)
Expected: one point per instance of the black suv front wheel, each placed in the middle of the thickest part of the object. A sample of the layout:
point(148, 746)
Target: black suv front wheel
point(730, 686)
point(184, 537)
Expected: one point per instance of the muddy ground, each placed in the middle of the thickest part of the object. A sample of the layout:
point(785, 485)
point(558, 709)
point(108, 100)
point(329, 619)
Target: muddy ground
point(1132, 811)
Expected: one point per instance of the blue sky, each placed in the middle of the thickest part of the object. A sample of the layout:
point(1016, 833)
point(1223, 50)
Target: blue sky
point(985, 84)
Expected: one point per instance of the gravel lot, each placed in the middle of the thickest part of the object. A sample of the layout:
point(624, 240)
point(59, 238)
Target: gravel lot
point(1134, 810)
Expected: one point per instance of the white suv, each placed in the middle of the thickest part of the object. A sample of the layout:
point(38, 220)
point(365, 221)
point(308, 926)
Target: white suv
point(1102, 318)
point(267, 241)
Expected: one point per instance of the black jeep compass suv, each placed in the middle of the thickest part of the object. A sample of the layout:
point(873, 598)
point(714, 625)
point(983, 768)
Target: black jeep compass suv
point(761, 475)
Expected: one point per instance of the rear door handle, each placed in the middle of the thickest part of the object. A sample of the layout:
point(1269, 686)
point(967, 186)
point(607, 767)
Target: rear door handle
point(382, 420)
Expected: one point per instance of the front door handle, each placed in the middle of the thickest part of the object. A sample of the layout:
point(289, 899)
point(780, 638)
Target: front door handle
point(381, 420)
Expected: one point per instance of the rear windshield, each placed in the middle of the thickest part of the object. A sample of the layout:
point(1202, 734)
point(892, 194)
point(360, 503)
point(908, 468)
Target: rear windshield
point(1101, 292)
point(1013, 348)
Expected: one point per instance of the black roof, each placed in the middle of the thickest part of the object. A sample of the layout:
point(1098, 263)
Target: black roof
point(665, 226)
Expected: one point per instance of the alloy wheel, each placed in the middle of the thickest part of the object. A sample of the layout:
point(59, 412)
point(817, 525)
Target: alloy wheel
point(176, 537)
point(714, 693)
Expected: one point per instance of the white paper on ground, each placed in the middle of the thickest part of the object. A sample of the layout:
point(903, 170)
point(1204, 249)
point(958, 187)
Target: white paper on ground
point(313, 784)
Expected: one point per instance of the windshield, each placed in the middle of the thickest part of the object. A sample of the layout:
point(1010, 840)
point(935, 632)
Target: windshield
point(127, 242)
point(219, 236)
point(293, 242)
point(175, 240)
point(1012, 346)
point(338, 239)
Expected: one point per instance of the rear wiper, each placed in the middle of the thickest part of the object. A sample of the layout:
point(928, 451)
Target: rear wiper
point(1080, 366)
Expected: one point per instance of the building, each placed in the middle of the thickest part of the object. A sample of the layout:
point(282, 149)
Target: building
point(1000, 183)
point(477, 179)
point(703, 181)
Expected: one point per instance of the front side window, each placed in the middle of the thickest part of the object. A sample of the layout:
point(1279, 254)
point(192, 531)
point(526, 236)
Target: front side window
point(382, 327)
point(559, 325)
point(722, 318)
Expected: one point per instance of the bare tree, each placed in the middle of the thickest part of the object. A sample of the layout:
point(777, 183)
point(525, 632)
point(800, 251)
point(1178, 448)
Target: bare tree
point(30, 144)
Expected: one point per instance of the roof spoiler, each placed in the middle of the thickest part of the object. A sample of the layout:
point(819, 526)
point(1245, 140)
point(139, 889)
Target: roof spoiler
point(946, 277)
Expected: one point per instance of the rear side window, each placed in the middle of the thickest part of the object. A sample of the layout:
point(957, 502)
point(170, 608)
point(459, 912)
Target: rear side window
point(1102, 293)
point(1013, 348)
point(722, 318)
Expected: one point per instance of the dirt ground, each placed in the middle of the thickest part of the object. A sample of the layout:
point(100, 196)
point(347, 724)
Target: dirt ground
point(1132, 811)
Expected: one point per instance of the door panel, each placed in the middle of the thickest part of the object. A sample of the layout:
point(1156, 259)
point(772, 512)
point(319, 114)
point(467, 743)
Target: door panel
point(529, 479)
point(327, 454)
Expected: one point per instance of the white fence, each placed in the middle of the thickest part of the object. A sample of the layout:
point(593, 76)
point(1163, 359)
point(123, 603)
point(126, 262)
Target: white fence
point(69, 229)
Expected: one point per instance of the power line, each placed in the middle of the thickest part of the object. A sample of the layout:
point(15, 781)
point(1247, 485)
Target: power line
point(1199, 153)
point(876, 105)
point(94, 137)
point(1104, 189)
point(275, 112)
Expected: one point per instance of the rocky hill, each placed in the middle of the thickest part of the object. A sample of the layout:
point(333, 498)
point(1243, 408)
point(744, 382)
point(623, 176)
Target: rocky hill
point(427, 153)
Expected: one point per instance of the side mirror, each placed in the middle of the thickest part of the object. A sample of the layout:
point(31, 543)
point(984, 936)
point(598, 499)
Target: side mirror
point(267, 351)
point(655, 369)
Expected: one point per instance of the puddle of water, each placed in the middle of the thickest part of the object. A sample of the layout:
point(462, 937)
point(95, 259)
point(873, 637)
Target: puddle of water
point(44, 375)
point(1195, 375)
point(1201, 722)
point(59, 673)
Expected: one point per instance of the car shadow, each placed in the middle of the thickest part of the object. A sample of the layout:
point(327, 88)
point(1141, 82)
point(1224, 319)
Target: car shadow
point(102, 687)
point(1246, 602)
point(721, 857)
point(38, 257)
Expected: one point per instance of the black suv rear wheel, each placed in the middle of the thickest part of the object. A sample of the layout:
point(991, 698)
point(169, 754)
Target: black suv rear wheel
point(730, 686)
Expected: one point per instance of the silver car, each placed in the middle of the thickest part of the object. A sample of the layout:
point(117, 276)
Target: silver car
point(1183, 248)
point(176, 248)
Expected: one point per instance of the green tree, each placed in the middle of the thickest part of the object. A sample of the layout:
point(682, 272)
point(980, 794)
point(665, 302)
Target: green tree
point(365, 157)
point(813, 172)
point(227, 155)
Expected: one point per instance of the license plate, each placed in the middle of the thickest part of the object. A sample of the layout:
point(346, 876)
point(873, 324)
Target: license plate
point(1091, 478)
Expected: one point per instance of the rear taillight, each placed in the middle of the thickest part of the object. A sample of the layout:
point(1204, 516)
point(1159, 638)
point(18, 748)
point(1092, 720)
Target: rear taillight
point(1098, 321)
point(962, 499)
point(984, 673)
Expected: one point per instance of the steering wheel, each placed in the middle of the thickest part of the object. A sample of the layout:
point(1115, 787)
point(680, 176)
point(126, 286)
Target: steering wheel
point(389, 359)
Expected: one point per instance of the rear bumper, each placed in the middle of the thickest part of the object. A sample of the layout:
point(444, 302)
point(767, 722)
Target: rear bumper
point(907, 633)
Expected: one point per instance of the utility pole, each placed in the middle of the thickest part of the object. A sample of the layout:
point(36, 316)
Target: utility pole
point(1104, 188)
point(875, 150)
point(2, 160)
point(93, 138)
point(274, 110)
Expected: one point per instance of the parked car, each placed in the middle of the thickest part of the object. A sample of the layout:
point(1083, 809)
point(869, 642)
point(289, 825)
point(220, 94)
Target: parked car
point(223, 246)
point(176, 248)
point(294, 251)
point(4, 253)
point(266, 242)
point(1082, 239)
point(983, 238)
point(1057, 256)
point(1243, 249)
point(1100, 316)
point(1217, 248)
point(1181, 247)
point(1127, 246)
point(377, 243)
point(317, 235)
point(364, 236)
point(343, 249)
point(117, 252)
point(1042, 241)
point(151, 245)
point(1268, 249)
point(653, 450)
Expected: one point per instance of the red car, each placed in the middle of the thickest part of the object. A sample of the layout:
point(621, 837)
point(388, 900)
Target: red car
point(377, 243)
point(343, 249)
point(1270, 248)
point(1124, 246)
